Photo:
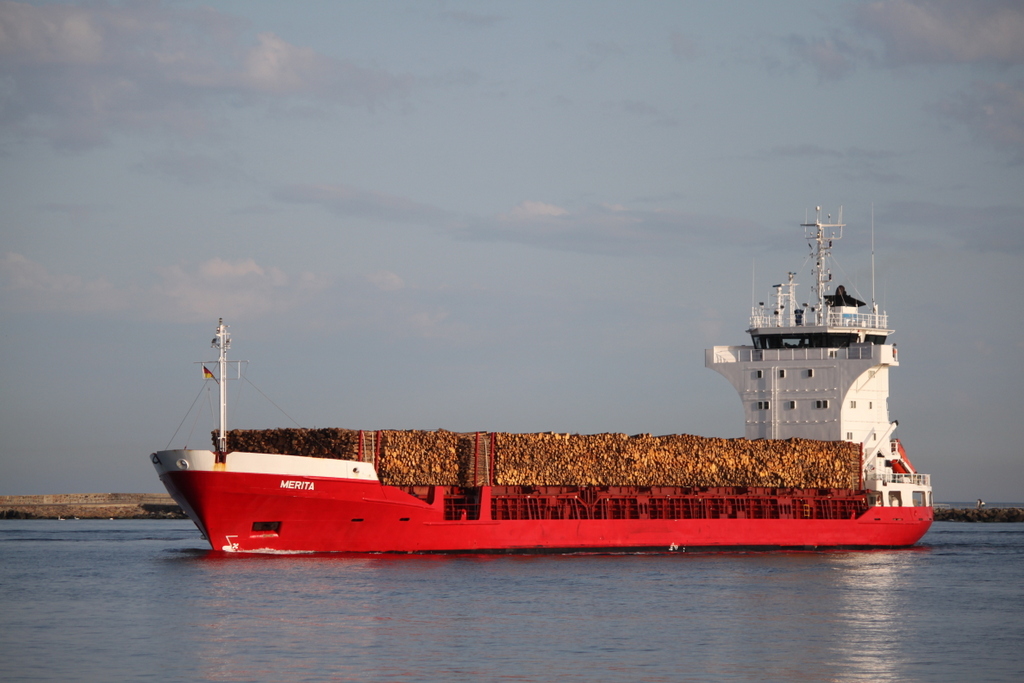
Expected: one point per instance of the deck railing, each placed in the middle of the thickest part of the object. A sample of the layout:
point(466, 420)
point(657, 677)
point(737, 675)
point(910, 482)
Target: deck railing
point(893, 478)
point(746, 354)
point(871, 321)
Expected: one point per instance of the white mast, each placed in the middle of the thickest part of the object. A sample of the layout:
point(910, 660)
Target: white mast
point(222, 342)
point(822, 252)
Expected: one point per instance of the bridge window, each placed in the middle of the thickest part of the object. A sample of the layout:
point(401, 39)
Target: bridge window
point(817, 340)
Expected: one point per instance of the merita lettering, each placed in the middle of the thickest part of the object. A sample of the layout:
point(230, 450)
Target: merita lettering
point(296, 484)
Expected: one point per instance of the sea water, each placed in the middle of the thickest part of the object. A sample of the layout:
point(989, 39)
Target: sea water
point(146, 600)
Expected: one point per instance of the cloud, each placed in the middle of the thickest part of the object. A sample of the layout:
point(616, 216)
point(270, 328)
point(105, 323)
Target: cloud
point(194, 170)
point(607, 229)
point(643, 110)
point(473, 19)
point(75, 75)
point(946, 31)
point(216, 287)
point(27, 285)
point(853, 163)
point(598, 52)
point(833, 58)
point(994, 111)
point(684, 47)
point(345, 200)
point(386, 281)
point(981, 229)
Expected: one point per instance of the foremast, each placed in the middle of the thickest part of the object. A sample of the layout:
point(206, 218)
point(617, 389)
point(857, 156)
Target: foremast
point(222, 342)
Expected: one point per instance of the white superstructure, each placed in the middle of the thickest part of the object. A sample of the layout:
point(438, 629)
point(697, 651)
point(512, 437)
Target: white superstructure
point(820, 370)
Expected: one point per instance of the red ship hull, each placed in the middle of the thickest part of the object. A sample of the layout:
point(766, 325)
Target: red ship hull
point(261, 512)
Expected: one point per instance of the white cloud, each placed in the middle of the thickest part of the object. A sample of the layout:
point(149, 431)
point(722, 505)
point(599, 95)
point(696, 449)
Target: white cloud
point(528, 210)
point(684, 47)
point(214, 288)
point(52, 34)
point(75, 75)
point(995, 111)
point(236, 289)
point(947, 31)
point(608, 229)
point(28, 285)
point(386, 281)
point(345, 200)
point(833, 58)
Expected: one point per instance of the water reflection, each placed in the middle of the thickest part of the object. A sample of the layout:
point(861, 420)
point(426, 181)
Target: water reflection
point(870, 642)
point(765, 617)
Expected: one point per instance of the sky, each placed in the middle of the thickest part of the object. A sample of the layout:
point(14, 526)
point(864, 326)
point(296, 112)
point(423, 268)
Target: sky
point(496, 216)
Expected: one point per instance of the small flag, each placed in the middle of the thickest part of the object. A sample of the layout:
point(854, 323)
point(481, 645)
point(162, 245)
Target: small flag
point(207, 374)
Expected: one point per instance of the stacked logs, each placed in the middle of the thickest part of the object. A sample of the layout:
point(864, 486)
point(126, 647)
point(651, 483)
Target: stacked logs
point(341, 444)
point(410, 458)
point(442, 458)
point(673, 460)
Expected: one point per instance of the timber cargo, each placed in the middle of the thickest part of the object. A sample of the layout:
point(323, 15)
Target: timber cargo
point(819, 465)
point(444, 458)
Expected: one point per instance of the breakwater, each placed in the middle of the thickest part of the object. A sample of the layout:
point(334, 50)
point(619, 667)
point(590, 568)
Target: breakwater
point(979, 514)
point(91, 506)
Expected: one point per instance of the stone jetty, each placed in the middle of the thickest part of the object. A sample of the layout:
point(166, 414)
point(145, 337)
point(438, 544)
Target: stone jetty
point(91, 506)
point(979, 514)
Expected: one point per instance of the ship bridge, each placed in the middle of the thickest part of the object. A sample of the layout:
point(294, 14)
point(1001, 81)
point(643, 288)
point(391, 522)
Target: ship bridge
point(818, 368)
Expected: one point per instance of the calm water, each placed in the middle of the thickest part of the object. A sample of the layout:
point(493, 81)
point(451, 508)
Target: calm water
point(144, 600)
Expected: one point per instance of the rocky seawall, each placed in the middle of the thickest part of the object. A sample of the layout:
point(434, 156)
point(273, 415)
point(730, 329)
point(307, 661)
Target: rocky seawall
point(979, 515)
point(91, 506)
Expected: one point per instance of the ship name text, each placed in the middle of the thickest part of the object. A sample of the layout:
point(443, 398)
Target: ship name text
point(296, 484)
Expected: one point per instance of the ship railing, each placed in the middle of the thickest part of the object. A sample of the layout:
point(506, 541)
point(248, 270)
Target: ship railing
point(872, 321)
point(894, 478)
point(746, 354)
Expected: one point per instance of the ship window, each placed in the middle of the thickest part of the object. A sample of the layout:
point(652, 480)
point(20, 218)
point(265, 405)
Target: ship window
point(853, 404)
point(895, 499)
point(267, 527)
point(849, 436)
point(870, 405)
point(762, 405)
point(821, 404)
point(758, 374)
point(782, 373)
point(919, 499)
point(792, 404)
point(804, 340)
point(810, 372)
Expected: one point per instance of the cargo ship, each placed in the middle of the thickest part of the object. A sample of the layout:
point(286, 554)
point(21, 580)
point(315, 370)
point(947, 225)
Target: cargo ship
point(814, 380)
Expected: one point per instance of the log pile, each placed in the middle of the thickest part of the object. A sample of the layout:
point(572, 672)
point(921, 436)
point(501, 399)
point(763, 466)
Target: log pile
point(673, 460)
point(442, 458)
point(341, 444)
point(410, 458)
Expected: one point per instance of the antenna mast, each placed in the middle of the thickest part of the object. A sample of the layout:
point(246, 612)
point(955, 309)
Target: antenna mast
point(874, 306)
point(822, 251)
